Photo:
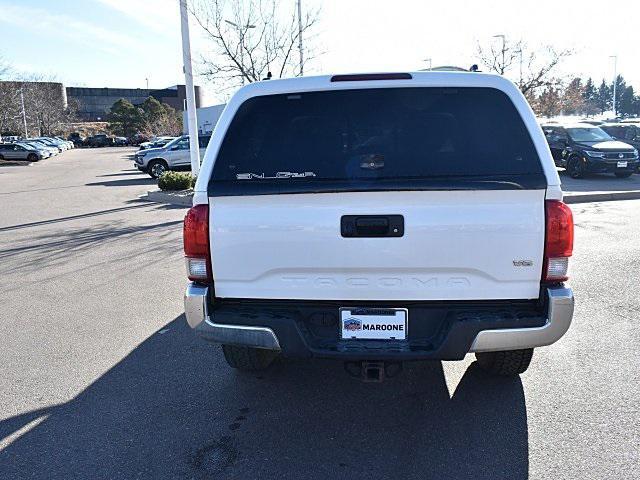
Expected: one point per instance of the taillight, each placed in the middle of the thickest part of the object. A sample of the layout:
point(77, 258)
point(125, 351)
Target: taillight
point(558, 245)
point(196, 243)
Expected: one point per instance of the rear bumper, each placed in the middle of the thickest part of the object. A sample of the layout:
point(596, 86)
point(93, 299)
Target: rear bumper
point(451, 338)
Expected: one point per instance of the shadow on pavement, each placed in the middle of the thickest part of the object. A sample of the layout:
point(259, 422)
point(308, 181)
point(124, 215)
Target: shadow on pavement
point(132, 171)
point(143, 180)
point(172, 409)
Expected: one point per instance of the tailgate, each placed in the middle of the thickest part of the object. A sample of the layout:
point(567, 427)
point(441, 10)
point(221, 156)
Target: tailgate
point(456, 245)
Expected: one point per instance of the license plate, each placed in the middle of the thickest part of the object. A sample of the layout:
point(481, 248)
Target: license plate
point(373, 323)
point(622, 164)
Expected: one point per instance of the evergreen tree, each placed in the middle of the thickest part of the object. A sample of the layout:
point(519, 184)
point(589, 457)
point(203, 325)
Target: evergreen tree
point(590, 94)
point(603, 97)
point(124, 118)
point(621, 86)
point(628, 102)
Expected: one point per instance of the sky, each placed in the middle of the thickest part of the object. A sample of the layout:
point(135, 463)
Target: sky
point(124, 43)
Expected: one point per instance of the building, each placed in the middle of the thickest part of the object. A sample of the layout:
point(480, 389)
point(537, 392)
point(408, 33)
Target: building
point(207, 117)
point(93, 104)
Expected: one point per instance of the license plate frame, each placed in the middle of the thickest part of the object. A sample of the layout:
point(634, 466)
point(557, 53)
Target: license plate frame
point(622, 164)
point(374, 323)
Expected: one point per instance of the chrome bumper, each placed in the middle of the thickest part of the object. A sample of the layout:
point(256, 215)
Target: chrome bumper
point(560, 313)
point(198, 318)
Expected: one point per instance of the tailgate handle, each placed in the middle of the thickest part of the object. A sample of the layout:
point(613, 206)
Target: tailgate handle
point(372, 226)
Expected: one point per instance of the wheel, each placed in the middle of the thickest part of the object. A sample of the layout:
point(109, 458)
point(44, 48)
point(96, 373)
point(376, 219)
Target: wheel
point(623, 174)
point(1, 157)
point(32, 157)
point(575, 168)
point(247, 358)
point(157, 168)
point(506, 363)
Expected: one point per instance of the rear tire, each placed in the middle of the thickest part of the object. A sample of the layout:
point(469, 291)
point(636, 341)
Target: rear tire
point(623, 174)
point(507, 363)
point(248, 359)
point(575, 168)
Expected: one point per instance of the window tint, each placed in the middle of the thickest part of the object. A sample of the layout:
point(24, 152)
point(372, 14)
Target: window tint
point(182, 144)
point(359, 138)
point(584, 134)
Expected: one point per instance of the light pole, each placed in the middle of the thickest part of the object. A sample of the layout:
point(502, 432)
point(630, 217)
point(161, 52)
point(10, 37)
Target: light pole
point(300, 37)
point(615, 80)
point(520, 52)
point(192, 123)
point(430, 63)
point(504, 43)
point(24, 115)
point(241, 35)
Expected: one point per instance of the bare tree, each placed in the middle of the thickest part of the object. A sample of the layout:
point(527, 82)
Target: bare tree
point(251, 39)
point(533, 70)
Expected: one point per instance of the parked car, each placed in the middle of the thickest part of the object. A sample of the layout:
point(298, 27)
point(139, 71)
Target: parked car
point(175, 155)
point(156, 143)
point(49, 143)
point(120, 141)
point(68, 143)
point(321, 230)
point(624, 132)
point(582, 149)
point(54, 142)
point(99, 140)
point(77, 139)
point(44, 153)
point(53, 150)
point(14, 151)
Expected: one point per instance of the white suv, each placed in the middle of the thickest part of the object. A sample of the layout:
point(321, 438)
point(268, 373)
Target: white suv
point(379, 218)
point(172, 156)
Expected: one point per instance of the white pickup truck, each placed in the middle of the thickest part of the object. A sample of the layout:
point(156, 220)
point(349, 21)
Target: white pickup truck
point(377, 219)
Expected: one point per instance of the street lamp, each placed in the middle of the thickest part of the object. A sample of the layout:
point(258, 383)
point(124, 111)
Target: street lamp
point(615, 80)
point(504, 43)
point(241, 34)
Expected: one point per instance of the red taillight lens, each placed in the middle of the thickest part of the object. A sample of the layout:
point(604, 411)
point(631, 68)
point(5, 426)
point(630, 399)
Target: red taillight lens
point(558, 246)
point(196, 243)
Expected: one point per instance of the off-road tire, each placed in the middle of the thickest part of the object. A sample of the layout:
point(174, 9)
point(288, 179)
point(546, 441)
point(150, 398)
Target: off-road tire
point(248, 359)
point(506, 363)
point(623, 174)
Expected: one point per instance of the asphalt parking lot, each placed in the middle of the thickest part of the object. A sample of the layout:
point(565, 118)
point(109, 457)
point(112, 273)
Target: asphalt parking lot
point(101, 378)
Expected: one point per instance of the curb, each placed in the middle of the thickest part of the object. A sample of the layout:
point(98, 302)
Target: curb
point(180, 197)
point(589, 197)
